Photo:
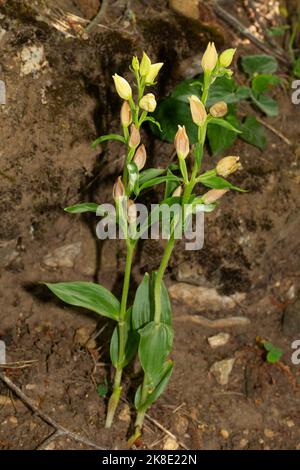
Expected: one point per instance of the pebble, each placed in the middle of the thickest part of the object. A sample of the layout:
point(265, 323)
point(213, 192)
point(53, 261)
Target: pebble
point(181, 425)
point(188, 8)
point(63, 256)
point(218, 340)
point(243, 443)
point(13, 420)
point(207, 298)
point(221, 370)
point(33, 59)
point(170, 444)
point(290, 423)
point(224, 433)
point(269, 433)
point(124, 414)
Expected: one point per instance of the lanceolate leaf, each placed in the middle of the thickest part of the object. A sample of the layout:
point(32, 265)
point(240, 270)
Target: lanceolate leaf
point(150, 173)
point(103, 138)
point(82, 207)
point(217, 182)
point(159, 180)
point(155, 344)
point(166, 308)
point(221, 138)
point(141, 309)
point(87, 295)
point(158, 387)
point(131, 343)
point(223, 123)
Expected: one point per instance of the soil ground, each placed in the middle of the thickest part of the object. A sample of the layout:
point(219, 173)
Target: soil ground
point(251, 244)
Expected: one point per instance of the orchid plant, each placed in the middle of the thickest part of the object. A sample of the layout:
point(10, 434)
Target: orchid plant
point(145, 327)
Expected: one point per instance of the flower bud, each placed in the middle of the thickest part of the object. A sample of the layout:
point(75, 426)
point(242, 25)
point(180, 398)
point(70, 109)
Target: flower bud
point(131, 211)
point(140, 157)
point(181, 143)
point(126, 116)
point(226, 57)
point(177, 192)
point(118, 189)
point(210, 58)
point(135, 138)
point(135, 64)
point(213, 195)
point(145, 65)
point(122, 86)
point(198, 110)
point(228, 165)
point(219, 109)
point(148, 102)
point(153, 72)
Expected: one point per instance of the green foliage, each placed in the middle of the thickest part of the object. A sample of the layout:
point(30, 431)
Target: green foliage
point(87, 295)
point(157, 386)
point(131, 343)
point(82, 207)
point(274, 354)
point(222, 133)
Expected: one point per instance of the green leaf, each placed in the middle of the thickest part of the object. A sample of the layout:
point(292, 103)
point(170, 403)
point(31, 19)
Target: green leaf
point(133, 174)
point(186, 88)
point(243, 93)
point(82, 207)
point(150, 173)
point(170, 185)
point(267, 104)
point(278, 30)
point(274, 353)
point(223, 123)
point(153, 121)
point(296, 67)
point(253, 132)
point(103, 138)
point(155, 344)
point(264, 82)
point(141, 309)
point(261, 63)
point(223, 89)
point(172, 112)
point(217, 182)
point(131, 343)
point(159, 386)
point(102, 389)
point(221, 139)
point(159, 180)
point(143, 305)
point(87, 295)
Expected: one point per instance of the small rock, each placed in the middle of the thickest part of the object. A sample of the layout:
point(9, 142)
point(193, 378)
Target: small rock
point(82, 335)
point(222, 369)
point(290, 423)
point(203, 298)
point(181, 425)
point(2, 352)
point(170, 444)
point(33, 59)
point(124, 414)
point(50, 446)
point(243, 443)
point(188, 8)
point(269, 433)
point(8, 252)
point(30, 386)
point(291, 319)
point(13, 420)
point(218, 340)
point(224, 433)
point(63, 257)
point(2, 33)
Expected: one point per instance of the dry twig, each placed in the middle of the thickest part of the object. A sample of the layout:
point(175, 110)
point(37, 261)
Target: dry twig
point(218, 323)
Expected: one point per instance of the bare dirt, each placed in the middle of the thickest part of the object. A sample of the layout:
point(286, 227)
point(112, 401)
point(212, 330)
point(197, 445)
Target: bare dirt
point(251, 244)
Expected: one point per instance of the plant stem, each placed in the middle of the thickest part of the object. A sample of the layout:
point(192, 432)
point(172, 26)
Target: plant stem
point(117, 388)
point(159, 277)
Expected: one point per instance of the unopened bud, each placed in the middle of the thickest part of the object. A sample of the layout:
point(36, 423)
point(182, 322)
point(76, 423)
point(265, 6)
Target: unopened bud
point(228, 165)
point(219, 109)
point(131, 211)
point(148, 103)
point(213, 195)
point(135, 137)
point(153, 72)
point(177, 192)
point(210, 58)
point(181, 143)
point(226, 57)
point(118, 189)
point(145, 65)
point(198, 110)
point(122, 86)
point(126, 116)
point(135, 63)
point(140, 157)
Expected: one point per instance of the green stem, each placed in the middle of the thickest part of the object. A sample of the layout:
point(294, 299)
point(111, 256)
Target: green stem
point(159, 277)
point(117, 388)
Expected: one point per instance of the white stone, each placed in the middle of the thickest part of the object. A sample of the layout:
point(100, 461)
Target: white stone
point(2, 352)
point(32, 59)
point(63, 257)
point(221, 370)
point(218, 340)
